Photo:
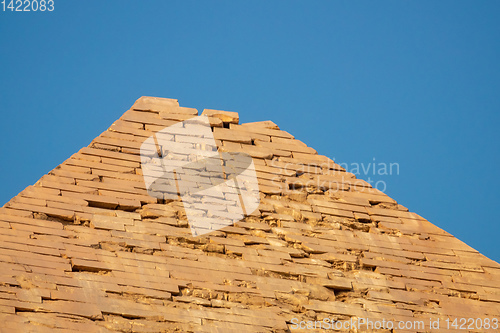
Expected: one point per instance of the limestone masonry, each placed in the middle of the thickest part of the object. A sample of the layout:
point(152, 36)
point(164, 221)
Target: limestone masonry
point(87, 249)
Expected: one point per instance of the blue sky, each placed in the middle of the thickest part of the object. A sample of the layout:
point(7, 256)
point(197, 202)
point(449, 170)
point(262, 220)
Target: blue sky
point(408, 82)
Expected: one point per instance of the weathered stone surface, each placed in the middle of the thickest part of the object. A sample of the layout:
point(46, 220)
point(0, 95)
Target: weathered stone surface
point(225, 116)
point(146, 103)
point(225, 134)
point(87, 248)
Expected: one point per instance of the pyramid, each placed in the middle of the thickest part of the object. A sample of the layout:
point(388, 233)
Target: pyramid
point(91, 248)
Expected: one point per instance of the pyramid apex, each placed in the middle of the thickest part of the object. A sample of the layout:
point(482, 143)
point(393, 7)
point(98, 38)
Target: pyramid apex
point(148, 103)
point(106, 238)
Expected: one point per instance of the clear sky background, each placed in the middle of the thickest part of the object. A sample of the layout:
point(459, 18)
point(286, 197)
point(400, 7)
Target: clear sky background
point(410, 82)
